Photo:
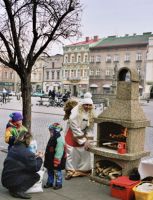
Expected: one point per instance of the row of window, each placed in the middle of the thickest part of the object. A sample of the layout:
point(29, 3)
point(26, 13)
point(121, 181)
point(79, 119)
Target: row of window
point(115, 58)
point(54, 75)
point(98, 58)
point(75, 73)
point(84, 73)
point(73, 59)
point(7, 75)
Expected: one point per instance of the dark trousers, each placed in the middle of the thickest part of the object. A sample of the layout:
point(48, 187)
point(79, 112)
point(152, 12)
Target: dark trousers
point(4, 99)
point(29, 181)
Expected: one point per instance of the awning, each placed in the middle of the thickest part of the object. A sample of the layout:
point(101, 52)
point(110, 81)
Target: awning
point(93, 85)
point(106, 86)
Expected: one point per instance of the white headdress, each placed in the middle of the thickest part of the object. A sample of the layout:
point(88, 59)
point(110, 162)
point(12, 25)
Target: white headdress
point(87, 98)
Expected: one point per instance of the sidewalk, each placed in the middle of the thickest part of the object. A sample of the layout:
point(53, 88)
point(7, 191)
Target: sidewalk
point(75, 189)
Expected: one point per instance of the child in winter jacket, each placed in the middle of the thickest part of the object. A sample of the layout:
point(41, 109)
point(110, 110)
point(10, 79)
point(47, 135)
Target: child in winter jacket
point(55, 157)
point(13, 128)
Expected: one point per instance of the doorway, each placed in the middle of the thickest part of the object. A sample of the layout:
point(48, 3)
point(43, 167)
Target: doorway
point(75, 93)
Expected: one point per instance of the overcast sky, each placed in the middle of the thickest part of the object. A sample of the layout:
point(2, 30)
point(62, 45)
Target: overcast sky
point(116, 17)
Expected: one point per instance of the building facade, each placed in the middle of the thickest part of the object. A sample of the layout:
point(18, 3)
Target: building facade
point(112, 53)
point(46, 74)
point(149, 70)
point(52, 73)
point(75, 70)
point(9, 79)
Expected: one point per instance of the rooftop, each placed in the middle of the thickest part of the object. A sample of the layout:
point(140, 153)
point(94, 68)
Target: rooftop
point(133, 40)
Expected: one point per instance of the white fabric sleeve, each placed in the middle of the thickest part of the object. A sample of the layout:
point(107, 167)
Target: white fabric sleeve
point(76, 130)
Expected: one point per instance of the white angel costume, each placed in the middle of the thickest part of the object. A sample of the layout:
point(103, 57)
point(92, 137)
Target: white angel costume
point(80, 127)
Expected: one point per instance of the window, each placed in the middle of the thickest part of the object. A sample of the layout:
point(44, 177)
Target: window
point(72, 59)
point(86, 58)
point(91, 72)
point(47, 75)
point(58, 74)
point(79, 73)
point(98, 72)
point(107, 72)
point(127, 57)
point(72, 73)
point(138, 57)
point(79, 59)
point(66, 74)
point(85, 73)
point(116, 58)
point(98, 58)
point(91, 58)
point(5, 75)
point(66, 59)
point(11, 75)
point(108, 58)
point(53, 65)
point(53, 75)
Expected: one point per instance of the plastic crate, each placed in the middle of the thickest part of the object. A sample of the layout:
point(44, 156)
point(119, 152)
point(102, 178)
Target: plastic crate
point(122, 188)
point(139, 195)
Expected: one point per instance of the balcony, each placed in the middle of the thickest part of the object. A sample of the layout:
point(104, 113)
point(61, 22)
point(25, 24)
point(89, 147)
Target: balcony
point(127, 61)
point(116, 61)
point(138, 60)
point(108, 61)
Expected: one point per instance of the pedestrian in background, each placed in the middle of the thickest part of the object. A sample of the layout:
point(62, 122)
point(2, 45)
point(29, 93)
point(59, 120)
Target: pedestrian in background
point(4, 95)
point(81, 122)
point(55, 157)
point(20, 167)
point(13, 128)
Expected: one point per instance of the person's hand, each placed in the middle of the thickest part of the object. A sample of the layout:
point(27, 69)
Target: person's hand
point(56, 163)
point(87, 145)
point(40, 154)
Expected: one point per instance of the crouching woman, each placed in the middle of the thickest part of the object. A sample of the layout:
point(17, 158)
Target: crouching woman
point(20, 167)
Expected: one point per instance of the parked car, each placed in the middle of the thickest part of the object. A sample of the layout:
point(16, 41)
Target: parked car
point(11, 93)
point(38, 94)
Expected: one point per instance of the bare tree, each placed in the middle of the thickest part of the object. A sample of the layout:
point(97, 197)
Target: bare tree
point(27, 28)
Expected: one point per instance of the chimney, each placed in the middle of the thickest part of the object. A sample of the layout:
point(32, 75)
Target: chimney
point(95, 37)
point(87, 39)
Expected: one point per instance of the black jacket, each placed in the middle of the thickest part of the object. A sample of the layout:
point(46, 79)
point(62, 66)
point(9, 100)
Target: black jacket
point(20, 165)
point(51, 151)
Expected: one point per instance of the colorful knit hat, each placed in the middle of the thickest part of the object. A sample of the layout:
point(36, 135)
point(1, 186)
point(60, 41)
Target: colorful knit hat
point(56, 127)
point(16, 116)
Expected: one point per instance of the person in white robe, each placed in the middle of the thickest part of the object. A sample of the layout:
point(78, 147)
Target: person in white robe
point(81, 122)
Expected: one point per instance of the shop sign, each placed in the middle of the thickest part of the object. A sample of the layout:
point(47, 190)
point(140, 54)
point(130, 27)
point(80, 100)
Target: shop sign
point(6, 84)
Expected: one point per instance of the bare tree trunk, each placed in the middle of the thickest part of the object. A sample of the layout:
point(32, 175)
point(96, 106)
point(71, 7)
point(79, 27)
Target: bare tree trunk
point(26, 99)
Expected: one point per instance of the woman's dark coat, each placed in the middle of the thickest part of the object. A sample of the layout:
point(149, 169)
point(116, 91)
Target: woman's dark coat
point(20, 167)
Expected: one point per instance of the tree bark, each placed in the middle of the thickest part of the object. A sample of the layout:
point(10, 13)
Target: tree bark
point(26, 99)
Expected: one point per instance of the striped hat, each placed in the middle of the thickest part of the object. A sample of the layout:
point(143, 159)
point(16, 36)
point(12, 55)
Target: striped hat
point(56, 127)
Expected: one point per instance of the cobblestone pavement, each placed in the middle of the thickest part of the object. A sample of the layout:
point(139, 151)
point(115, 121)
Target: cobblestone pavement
point(42, 116)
